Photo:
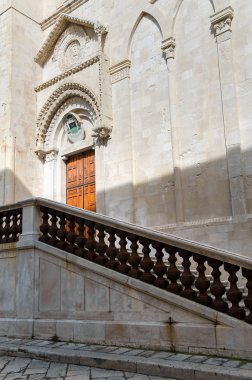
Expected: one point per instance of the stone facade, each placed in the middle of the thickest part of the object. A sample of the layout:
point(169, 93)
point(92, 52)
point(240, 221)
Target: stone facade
point(163, 92)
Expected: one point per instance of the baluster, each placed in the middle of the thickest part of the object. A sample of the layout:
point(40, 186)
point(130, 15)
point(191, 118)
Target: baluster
point(101, 246)
point(134, 259)
point(53, 229)
point(80, 240)
point(45, 225)
point(13, 227)
point(62, 232)
point(202, 283)
point(71, 235)
point(6, 229)
point(122, 254)
point(146, 263)
point(187, 278)
point(159, 268)
point(247, 273)
point(234, 295)
point(90, 242)
point(173, 274)
point(112, 250)
point(1, 227)
point(217, 288)
point(19, 222)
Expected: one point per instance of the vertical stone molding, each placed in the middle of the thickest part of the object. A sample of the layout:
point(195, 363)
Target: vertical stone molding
point(168, 48)
point(221, 24)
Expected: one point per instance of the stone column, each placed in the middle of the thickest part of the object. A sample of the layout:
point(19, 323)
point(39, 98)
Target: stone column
point(168, 48)
point(50, 175)
point(221, 24)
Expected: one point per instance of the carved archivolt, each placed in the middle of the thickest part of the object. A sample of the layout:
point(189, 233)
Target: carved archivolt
point(56, 100)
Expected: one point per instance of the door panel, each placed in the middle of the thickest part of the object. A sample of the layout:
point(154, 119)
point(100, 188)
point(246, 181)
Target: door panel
point(75, 197)
point(80, 186)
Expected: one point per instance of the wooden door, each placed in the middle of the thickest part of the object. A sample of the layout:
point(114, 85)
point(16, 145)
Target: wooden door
point(80, 178)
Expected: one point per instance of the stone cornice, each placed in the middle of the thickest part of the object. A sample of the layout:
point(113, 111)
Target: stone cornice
point(120, 70)
point(58, 29)
point(67, 73)
point(67, 8)
point(221, 21)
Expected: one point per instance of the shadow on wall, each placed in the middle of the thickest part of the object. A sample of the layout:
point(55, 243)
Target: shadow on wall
point(194, 203)
point(12, 189)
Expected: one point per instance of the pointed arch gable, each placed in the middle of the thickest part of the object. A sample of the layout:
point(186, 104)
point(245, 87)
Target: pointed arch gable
point(177, 9)
point(56, 100)
point(158, 21)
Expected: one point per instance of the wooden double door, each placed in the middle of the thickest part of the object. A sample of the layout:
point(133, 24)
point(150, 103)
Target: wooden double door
point(80, 181)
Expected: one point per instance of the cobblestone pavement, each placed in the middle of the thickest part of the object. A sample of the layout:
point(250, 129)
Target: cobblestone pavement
point(12, 368)
point(35, 359)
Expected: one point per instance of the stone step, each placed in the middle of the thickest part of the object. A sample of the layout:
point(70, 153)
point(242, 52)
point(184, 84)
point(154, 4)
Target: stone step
point(169, 365)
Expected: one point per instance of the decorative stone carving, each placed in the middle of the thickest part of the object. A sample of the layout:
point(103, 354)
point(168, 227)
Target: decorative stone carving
point(58, 30)
point(102, 134)
point(51, 156)
point(168, 47)
point(221, 21)
point(73, 127)
point(58, 97)
point(120, 71)
point(67, 73)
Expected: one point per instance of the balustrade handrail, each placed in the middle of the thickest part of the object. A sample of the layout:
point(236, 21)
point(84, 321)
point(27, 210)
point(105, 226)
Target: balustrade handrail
point(146, 232)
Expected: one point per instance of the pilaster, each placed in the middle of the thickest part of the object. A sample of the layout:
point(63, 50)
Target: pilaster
point(222, 27)
point(168, 48)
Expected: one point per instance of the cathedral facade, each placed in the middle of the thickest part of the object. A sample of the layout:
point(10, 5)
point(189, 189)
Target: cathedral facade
point(137, 109)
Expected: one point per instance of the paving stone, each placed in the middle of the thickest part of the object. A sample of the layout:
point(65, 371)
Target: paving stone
point(99, 373)
point(179, 357)
point(134, 352)
point(232, 363)
point(37, 377)
point(38, 364)
point(246, 366)
point(147, 354)
point(216, 361)
point(33, 371)
point(121, 350)
point(78, 377)
point(16, 365)
point(135, 376)
point(57, 370)
point(196, 359)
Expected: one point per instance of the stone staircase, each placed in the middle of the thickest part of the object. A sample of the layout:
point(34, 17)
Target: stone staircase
point(91, 278)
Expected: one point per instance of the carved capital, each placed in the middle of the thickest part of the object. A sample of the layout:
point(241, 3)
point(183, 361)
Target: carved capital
point(51, 156)
point(221, 21)
point(100, 29)
point(120, 71)
point(47, 156)
point(168, 47)
point(101, 134)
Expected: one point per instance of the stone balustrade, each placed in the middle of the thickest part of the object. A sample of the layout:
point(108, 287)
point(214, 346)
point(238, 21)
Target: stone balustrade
point(10, 224)
point(197, 272)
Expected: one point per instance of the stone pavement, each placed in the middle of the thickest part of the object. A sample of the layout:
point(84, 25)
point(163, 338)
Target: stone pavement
point(39, 359)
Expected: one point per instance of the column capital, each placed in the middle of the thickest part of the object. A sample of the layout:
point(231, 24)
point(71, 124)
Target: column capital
point(168, 47)
point(221, 21)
